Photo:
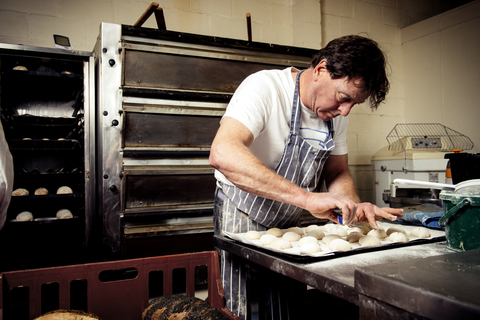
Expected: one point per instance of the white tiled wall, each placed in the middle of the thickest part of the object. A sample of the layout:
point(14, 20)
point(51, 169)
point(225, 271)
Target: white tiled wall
point(303, 23)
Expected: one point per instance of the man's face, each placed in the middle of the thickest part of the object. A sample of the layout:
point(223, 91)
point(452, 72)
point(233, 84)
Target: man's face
point(328, 97)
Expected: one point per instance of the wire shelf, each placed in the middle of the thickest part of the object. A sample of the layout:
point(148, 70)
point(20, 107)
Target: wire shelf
point(426, 136)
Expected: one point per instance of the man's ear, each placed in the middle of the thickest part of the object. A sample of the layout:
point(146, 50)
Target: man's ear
point(320, 68)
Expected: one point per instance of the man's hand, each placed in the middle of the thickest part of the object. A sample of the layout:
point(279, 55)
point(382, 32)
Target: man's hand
point(321, 205)
point(367, 212)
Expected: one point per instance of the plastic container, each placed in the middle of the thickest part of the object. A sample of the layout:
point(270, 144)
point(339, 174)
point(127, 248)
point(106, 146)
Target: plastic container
point(464, 166)
point(462, 218)
point(110, 290)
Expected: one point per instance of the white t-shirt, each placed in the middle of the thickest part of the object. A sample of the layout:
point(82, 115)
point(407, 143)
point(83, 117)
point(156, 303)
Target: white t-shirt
point(263, 103)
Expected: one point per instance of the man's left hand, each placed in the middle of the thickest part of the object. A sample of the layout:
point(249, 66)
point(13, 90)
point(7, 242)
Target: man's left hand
point(369, 212)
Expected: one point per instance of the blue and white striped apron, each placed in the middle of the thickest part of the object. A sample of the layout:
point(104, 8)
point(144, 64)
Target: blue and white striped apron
point(238, 211)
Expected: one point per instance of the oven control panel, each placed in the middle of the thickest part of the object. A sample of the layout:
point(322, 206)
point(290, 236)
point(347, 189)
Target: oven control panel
point(427, 143)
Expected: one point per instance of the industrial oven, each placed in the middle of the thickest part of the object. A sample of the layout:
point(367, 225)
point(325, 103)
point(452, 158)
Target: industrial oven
point(46, 112)
point(159, 100)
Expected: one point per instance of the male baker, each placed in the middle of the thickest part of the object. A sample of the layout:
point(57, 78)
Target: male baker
point(282, 131)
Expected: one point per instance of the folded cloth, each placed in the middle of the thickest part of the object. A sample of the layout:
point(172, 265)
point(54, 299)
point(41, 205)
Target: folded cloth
point(426, 215)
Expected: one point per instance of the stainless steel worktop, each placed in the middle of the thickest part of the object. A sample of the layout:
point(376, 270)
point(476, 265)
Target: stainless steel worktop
point(437, 287)
point(334, 276)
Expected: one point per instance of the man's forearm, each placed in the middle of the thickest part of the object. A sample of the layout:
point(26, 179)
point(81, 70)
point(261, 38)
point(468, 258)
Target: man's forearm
point(238, 164)
point(338, 178)
point(344, 185)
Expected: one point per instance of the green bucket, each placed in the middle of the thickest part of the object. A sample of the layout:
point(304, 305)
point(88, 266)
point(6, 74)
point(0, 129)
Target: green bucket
point(462, 218)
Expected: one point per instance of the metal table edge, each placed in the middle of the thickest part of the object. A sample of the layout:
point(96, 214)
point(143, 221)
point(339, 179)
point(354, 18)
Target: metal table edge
point(290, 269)
point(414, 299)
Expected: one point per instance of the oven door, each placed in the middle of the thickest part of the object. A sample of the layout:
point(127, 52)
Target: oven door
point(159, 127)
point(173, 196)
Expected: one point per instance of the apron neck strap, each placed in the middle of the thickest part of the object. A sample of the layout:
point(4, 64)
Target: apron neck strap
point(296, 117)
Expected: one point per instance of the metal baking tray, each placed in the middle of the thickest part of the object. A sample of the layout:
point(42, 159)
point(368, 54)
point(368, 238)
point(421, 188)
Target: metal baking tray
point(294, 254)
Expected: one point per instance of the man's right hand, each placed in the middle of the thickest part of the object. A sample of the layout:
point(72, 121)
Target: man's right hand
point(321, 205)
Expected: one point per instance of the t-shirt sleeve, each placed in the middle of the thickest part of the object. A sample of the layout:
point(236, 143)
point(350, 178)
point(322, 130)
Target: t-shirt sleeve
point(249, 104)
point(340, 125)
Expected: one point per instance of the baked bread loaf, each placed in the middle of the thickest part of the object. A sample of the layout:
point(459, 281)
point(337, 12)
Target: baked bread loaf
point(64, 214)
point(24, 216)
point(41, 192)
point(64, 190)
point(20, 192)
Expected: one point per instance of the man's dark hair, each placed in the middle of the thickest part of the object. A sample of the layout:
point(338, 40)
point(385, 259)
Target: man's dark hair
point(357, 57)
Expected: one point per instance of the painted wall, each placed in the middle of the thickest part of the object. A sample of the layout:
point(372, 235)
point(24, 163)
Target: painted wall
point(442, 60)
point(303, 23)
point(382, 20)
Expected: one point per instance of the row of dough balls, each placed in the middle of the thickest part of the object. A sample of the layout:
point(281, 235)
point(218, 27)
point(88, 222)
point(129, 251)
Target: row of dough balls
point(28, 216)
point(308, 240)
point(41, 191)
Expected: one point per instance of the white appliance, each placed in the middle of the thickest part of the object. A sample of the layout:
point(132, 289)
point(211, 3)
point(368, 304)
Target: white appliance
point(389, 165)
point(415, 152)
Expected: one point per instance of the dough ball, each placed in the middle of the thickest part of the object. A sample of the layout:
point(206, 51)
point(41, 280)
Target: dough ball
point(297, 230)
point(398, 237)
point(339, 244)
point(64, 190)
point(253, 235)
point(311, 228)
point(420, 232)
point(64, 214)
point(316, 233)
point(20, 192)
point(354, 236)
point(24, 216)
point(361, 230)
point(275, 231)
point(329, 237)
point(267, 239)
point(306, 240)
point(330, 228)
point(291, 236)
point(281, 244)
point(340, 230)
point(395, 229)
point(366, 225)
point(41, 192)
point(379, 233)
point(310, 247)
point(368, 240)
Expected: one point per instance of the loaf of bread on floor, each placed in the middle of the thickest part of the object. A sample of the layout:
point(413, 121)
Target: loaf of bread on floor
point(181, 307)
point(67, 315)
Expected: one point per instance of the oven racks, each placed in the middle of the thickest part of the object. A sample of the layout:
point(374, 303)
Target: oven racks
point(427, 136)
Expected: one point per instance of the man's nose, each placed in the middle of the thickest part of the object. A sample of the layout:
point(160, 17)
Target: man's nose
point(345, 108)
